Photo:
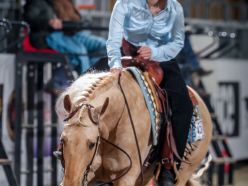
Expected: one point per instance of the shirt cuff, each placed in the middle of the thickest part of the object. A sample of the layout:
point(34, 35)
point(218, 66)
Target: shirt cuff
point(154, 53)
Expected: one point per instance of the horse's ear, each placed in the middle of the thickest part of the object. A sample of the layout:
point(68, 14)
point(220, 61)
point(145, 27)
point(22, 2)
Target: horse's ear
point(104, 106)
point(67, 103)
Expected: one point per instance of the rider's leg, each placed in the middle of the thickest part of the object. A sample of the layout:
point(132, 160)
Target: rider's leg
point(180, 104)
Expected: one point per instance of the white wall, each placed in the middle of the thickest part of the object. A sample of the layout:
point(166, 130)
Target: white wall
point(230, 72)
point(7, 80)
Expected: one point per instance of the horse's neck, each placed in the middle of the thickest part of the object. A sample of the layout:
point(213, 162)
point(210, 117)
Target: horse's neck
point(115, 107)
point(117, 121)
point(127, 89)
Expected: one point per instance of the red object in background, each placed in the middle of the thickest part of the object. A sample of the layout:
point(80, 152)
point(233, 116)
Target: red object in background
point(226, 165)
point(27, 47)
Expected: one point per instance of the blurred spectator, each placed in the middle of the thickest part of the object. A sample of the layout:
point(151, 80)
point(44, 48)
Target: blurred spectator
point(190, 66)
point(46, 19)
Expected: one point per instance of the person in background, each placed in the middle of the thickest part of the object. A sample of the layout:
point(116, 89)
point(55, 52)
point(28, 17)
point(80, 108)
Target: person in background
point(47, 19)
point(189, 62)
point(156, 28)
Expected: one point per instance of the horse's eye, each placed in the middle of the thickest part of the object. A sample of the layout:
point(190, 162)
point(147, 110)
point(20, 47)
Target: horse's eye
point(91, 145)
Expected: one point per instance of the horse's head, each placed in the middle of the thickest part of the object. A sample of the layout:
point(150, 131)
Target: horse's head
point(80, 141)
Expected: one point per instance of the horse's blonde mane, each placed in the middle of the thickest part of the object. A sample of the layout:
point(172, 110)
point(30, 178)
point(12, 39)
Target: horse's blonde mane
point(83, 90)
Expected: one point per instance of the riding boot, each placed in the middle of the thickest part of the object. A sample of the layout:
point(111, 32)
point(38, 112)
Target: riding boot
point(180, 103)
point(166, 177)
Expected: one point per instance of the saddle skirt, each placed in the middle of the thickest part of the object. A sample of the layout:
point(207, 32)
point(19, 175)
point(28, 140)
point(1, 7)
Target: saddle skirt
point(196, 131)
point(155, 108)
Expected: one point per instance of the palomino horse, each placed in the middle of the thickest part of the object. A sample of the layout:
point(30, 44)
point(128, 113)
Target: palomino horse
point(98, 141)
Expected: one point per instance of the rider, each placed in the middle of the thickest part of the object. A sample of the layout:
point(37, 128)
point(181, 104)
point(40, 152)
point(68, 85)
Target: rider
point(156, 27)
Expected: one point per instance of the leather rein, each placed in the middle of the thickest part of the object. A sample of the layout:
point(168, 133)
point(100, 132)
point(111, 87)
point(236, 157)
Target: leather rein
point(99, 138)
point(134, 131)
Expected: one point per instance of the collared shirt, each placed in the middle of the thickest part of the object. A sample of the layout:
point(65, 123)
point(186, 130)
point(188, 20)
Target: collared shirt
point(132, 19)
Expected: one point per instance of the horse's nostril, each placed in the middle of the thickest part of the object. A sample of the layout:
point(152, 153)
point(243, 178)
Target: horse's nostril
point(57, 154)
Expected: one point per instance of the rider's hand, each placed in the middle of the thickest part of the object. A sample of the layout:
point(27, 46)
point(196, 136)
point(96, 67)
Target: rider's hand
point(55, 23)
point(116, 71)
point(145, 52)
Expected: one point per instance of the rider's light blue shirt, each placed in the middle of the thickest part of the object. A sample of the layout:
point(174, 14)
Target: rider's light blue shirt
point(163, 33)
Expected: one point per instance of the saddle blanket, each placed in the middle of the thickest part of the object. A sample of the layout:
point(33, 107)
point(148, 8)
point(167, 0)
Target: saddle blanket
point(196, 131)
point(149, 102)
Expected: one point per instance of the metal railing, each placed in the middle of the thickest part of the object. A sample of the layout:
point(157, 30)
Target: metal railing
point(11, 10)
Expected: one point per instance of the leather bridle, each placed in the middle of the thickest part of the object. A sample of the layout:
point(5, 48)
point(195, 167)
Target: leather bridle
point(89, 166)
point(99, 138)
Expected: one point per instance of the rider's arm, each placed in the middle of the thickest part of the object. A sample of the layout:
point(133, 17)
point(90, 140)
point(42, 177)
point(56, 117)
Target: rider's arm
point(116, 33)
point(171, 49)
